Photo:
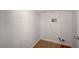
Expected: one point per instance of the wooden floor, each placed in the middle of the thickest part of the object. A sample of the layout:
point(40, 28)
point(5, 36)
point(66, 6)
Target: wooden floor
point(46, 44)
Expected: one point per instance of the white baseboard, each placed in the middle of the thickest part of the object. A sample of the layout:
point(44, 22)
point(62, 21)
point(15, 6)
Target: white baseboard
point(34, 43)
point(58, 42)
point(63, 43)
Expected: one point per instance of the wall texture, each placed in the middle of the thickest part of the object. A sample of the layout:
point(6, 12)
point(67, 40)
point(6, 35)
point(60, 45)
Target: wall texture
point(23, 28)
point(66, 26)
point(49, 29)
point(74, 28)
point(18, 28)
point(77, 12)
point(61, 28)
point(4, 28)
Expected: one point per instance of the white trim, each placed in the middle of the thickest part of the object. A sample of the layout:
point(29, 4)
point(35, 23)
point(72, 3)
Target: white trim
point(34, 43)
point(63, 43)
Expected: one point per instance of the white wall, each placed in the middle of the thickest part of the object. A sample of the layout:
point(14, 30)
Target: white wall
point(47, 28)
point(18, 28)
point(4, 26)
point(78, 28)
point(62, 28)
point(74, 27)
point(66, 26)
point(21, 28)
